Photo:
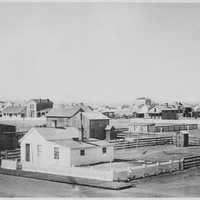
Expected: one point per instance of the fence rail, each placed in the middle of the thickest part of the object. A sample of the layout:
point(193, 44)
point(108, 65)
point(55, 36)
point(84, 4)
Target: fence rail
point(10, 154)
point(192, 161)
point(141, 142)
point(194, 141)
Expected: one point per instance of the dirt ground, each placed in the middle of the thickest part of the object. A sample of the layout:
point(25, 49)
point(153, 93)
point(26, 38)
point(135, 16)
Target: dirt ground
point(157, 153)
point(185, 184)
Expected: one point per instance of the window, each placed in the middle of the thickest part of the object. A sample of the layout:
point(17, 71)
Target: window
point(32, 106)
point(56, 153)
point(39, 150)
point(27, 149)
point(82, 152)
point(104, 150)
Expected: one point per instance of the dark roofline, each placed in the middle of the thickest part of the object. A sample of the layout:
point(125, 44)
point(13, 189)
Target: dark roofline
point(68, 117)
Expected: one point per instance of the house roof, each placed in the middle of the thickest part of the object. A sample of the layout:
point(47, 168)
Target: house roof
point(156, 109)
point(41, 100)
point(63, 112)
point(14, 109)
point(45, 110)
point(160, 108)
point(77, 144)
point(67, 137)
point(58, 134)
point(84, 107)
point(94, 115)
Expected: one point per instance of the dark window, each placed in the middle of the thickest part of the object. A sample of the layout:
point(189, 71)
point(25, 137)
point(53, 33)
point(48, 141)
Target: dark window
point(82, 152)
point(56, 153)
point(27, 148)
point(104, 150)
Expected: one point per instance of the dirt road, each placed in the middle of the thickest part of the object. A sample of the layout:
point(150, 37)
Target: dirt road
point(181, 185)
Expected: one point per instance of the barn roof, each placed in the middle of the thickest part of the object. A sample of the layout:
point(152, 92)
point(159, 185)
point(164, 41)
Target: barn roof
point(63, 112)
point(94, 115)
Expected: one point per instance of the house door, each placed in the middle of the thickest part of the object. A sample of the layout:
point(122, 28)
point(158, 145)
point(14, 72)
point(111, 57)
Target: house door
point(55, 123)
point(27, 149)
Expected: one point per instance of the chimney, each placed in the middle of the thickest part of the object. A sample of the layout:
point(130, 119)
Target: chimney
point(108, 132)
point(82, 129)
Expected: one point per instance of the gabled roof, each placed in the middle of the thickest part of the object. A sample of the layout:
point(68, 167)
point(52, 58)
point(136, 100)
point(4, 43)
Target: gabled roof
point(156, 109)
point(160, 108)
point(94, 115)
point(63, 112)
point(65, 137)
point(58, 134)
point(14, 109)
point(84, 107)
point(41, 100)
point(75, 144)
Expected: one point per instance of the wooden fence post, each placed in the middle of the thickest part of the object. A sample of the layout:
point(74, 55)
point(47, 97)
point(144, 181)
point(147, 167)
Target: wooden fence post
point(6, 154)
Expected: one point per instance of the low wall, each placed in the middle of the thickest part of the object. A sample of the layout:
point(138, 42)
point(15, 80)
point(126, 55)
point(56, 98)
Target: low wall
point(105, 175)
point(9, 164)
point(147, 170)
point(89, 173)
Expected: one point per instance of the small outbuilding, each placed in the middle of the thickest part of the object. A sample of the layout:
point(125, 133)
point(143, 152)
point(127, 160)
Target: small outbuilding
point(48, 148)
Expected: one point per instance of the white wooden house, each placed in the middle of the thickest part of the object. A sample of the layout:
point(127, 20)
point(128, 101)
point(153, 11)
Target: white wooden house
point(47, 149)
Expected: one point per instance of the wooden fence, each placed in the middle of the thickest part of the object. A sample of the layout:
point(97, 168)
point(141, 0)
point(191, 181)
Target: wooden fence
point(141, 142)
point(192, 161)
point(10, 154)
point(194, 141)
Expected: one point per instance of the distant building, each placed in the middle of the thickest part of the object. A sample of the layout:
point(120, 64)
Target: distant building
point(155, 127)
point(14, 112)
point(142, 111)
point(155, 112)
point(169, 113)
point(38, 107)
point(109, 113)
point(196, 112)
point(143, 100)
point(187, 110)
point(164, 112)
point(56, 150)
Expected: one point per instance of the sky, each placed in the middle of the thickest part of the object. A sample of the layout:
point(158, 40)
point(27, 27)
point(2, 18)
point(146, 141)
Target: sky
point(100, 52)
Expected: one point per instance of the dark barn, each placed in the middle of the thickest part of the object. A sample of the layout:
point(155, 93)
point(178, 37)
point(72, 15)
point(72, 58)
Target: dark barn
point(8, 137)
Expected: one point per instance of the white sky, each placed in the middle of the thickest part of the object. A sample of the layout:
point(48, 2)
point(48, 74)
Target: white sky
point(100, 52)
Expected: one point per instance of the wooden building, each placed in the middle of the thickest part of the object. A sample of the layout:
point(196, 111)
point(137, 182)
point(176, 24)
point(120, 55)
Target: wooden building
point(164, 112)
point(94, 124)
point(54, 149)
point(169, 113)
point(63, 117)
point(8, 137)
point(14, 112)
point(38, 107)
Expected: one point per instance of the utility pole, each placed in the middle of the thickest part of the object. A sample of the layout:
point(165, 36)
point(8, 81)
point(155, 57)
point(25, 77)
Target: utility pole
point(82, 129)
